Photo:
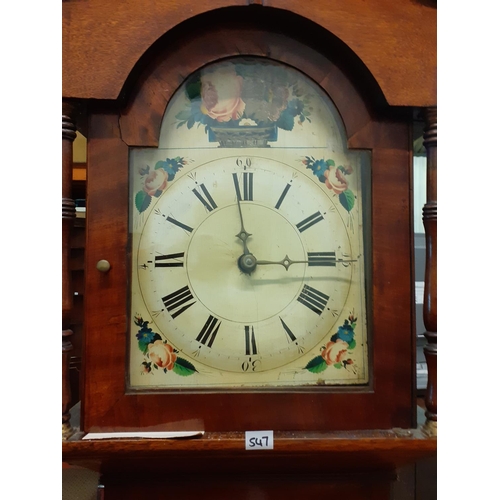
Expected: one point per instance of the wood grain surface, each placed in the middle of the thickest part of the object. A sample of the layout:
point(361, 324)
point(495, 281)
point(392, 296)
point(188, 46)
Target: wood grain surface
point(334, 452)
point(103, 41)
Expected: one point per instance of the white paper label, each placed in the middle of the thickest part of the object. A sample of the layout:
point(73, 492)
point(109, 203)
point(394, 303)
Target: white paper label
point(259, 440)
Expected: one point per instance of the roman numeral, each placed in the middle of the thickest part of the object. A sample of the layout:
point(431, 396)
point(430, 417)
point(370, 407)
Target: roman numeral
point(179, 224)
point(209, 331)
point(250, 344)
point(309, 221)
point(209, 202)
point(313, 299)
point(247, 186)
point(282, 197)
point(175, 301)
point(291, 336)
point(172, 260)
point(321, 259)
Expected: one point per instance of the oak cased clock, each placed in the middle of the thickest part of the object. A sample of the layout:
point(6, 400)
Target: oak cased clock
point(250, 209)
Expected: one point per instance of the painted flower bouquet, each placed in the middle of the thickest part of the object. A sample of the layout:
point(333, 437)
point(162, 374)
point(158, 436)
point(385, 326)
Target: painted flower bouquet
point(155, 180)
point(243, 104)
point(159, 354)
point(337, 352)
point(334, 177)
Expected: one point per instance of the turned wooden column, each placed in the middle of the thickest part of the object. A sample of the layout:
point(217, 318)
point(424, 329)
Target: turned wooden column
point(68, 216)
point(430, 290)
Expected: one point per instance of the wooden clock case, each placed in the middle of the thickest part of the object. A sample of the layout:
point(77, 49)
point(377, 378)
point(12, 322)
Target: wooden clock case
point(388, 401)
point(321, 432)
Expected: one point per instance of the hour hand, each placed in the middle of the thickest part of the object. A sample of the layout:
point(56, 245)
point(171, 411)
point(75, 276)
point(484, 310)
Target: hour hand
point(312, 261)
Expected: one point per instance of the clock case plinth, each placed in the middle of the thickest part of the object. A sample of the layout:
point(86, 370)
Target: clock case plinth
point(358, 464)
point(134, 121)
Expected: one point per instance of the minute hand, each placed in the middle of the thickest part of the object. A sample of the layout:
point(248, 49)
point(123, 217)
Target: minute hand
point(287, 262)
point(242, 235)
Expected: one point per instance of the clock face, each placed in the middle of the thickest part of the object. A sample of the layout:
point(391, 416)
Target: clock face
point(248, 262)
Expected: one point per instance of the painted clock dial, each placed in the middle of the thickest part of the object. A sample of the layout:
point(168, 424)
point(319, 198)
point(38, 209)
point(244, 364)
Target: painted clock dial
point(248, 263)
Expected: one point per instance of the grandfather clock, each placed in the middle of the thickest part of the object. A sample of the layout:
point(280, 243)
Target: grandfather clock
point(249, 245)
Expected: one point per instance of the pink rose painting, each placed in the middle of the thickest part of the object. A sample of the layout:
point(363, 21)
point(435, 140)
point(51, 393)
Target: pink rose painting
point(221, 95)
point(336, 180)
point(154, 181)
point(335, 352)
point(162, 354)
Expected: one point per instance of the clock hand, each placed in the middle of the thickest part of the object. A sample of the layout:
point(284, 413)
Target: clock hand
point(287, 262)
point(243, 235)
point(246, 261)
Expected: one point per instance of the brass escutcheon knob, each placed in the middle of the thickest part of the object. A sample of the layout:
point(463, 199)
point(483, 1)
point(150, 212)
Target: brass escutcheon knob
point(104, 266)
